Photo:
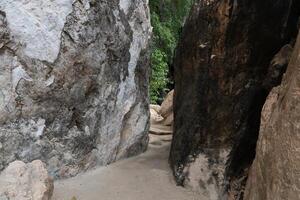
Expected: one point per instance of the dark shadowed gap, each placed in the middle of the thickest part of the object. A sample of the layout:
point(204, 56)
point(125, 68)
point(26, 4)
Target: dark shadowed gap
point(244, 150)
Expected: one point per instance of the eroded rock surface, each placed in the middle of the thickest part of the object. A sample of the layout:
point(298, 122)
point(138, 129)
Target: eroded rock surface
point(20, 181)
point(73, 82)
point(221, 64)
point(275, 173)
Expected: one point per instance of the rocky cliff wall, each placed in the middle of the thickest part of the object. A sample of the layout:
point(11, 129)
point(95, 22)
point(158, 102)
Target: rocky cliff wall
point(73, 82)
point(222, 78)
point(275, 173)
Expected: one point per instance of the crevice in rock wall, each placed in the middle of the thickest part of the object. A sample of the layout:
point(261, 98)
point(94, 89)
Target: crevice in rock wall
point(224, 70)
point(273, 174)
point(244, 150)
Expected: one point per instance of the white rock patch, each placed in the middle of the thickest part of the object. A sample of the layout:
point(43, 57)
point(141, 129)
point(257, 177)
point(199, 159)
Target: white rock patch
point(50, 81)
point(37, 25)
point(139, 43)
point(40, 127)
point(125, 5)
point(17, 74)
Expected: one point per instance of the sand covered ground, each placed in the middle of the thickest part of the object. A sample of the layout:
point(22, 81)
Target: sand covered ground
point(145, 177)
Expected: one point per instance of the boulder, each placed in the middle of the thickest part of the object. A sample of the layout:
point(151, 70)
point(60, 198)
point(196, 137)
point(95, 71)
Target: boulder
point(154, 116)
point(158, 124)
point(20, 181)
point(275, 173)
point(162, 116)
point(155, 107)
point(167, 105)
point(169, 120)
point(73, 82)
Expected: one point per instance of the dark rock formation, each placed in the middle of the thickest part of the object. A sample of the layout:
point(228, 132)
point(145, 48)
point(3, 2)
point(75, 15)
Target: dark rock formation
point(275, 173)
point(278, 67)
point(221, 65)
point(73, 82)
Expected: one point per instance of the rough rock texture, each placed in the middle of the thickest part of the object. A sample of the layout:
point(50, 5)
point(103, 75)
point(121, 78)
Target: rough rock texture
point(275, 173)
point(220, 66)
point(20, 181)
point(73, 82)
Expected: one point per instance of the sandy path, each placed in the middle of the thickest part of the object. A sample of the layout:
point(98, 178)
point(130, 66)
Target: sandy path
point(145, 177)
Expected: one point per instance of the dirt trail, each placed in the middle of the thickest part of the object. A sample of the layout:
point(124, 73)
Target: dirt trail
point(145, 177)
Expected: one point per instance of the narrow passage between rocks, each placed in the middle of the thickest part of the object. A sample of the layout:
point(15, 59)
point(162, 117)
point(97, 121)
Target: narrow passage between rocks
point(146, 177)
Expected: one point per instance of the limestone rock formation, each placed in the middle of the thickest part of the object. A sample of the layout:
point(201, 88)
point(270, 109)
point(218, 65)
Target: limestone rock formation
point(73, 82)
point(275, 173)
point(162, 117)
point(221, 63)
point(20, 181)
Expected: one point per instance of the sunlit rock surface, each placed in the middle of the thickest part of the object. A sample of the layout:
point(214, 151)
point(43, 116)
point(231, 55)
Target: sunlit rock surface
point(73, 82)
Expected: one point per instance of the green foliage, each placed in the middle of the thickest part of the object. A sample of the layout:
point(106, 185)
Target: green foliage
point(167, 17)
point(159, 78)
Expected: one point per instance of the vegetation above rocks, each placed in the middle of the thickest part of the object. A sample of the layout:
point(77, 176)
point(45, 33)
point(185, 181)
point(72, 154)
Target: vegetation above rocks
point(167, 18)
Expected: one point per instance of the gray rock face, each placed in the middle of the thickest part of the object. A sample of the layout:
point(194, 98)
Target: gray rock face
point(73, 82)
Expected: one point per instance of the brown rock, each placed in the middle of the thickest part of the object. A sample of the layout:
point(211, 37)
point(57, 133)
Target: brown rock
point(275, 173)
point(20, 181)
point(157, 124)
point(278, 66)
point(169, 120)
point(167, 105)
point(162, 117)
point(154, 116)
point(155, 107)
